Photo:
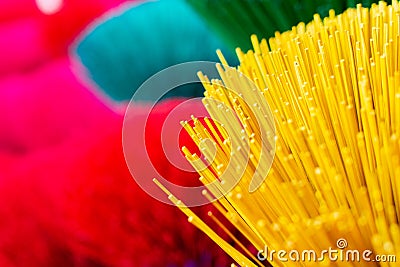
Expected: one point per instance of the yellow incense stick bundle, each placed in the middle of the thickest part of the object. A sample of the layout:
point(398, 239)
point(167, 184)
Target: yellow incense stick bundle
point(333, 87)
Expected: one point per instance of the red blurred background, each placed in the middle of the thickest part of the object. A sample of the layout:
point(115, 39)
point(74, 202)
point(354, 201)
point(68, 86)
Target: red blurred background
point(66, 195)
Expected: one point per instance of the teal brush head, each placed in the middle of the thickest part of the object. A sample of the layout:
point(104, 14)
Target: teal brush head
point(121, 51)
point(236, 20)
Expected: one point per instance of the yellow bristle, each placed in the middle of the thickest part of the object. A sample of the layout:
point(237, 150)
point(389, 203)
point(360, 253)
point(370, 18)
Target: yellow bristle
point(333, 87)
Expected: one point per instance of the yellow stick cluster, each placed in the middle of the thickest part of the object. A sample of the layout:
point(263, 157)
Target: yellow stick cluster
point(333, 87)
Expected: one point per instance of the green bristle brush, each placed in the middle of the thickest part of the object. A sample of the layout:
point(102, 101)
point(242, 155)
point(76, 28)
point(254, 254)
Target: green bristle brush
point(236, 20)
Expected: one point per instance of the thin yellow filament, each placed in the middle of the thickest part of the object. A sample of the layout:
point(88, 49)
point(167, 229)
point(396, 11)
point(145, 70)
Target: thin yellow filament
point(333, 87)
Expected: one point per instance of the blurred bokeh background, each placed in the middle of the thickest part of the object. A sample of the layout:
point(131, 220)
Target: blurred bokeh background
point(67, 70)
point(66, 195)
